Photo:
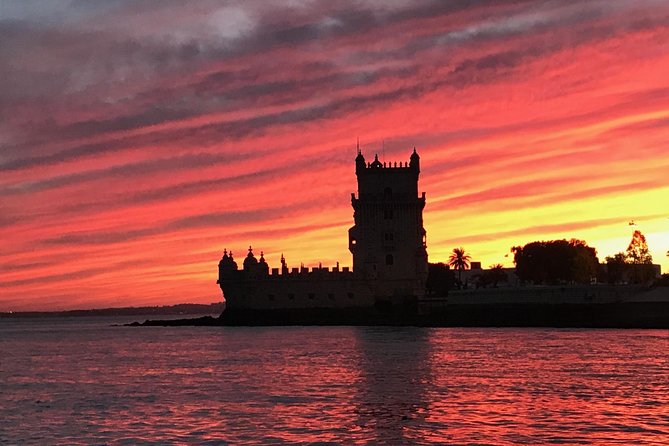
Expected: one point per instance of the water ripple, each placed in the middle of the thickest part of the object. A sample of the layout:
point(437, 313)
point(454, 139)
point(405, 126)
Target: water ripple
point(82, 382)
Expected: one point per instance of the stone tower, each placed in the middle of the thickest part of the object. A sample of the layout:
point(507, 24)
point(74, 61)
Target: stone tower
point(388, 239)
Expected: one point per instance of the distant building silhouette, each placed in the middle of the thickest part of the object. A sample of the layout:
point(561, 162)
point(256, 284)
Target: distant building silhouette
point(388, 243)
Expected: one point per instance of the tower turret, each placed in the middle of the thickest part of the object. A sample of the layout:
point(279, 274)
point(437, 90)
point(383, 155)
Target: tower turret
point(359, 162)
point(233, 264)
point(225, 259)
point(227, 267)
point(284, 265)
point(414, 160)
point(250, 261)
point(263, 267)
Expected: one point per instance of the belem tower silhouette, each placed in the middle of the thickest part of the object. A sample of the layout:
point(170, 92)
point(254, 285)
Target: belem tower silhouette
point(387, 241)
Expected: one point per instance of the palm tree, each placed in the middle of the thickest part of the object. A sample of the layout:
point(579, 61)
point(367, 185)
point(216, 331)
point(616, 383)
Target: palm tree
point(459, 260)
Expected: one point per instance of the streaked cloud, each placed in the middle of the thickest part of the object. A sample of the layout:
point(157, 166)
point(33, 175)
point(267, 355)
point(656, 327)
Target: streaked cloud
point(137, 139)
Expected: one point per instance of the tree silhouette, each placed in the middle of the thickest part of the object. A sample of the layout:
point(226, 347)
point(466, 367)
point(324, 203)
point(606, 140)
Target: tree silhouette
point(637, 251)
point(459, 260)
point(493, 276)
point(439, 279)
point(555, 261)
point(637, 254)
point(616, 266)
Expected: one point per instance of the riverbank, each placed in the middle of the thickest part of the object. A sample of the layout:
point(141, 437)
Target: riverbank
point(576, 306)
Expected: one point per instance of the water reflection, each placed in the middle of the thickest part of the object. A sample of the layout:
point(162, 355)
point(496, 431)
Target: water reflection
point(95, 384)
point(392, 400)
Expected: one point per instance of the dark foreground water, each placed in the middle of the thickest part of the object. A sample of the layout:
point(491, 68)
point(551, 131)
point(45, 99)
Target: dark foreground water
point(81, 381)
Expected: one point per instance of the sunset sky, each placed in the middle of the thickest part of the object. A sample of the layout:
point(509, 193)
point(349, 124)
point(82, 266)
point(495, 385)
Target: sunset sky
point(140, 138)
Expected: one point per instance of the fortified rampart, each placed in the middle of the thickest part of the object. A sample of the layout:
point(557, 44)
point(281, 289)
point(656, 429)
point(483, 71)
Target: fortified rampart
point(259, 288)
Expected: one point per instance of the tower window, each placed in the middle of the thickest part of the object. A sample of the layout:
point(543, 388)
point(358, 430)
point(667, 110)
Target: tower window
point(389, 259)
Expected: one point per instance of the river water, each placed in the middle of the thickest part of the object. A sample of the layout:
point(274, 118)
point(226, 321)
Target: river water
point(83, 381)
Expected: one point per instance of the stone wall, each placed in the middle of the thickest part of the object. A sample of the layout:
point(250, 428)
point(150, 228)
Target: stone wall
point(300, 289)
